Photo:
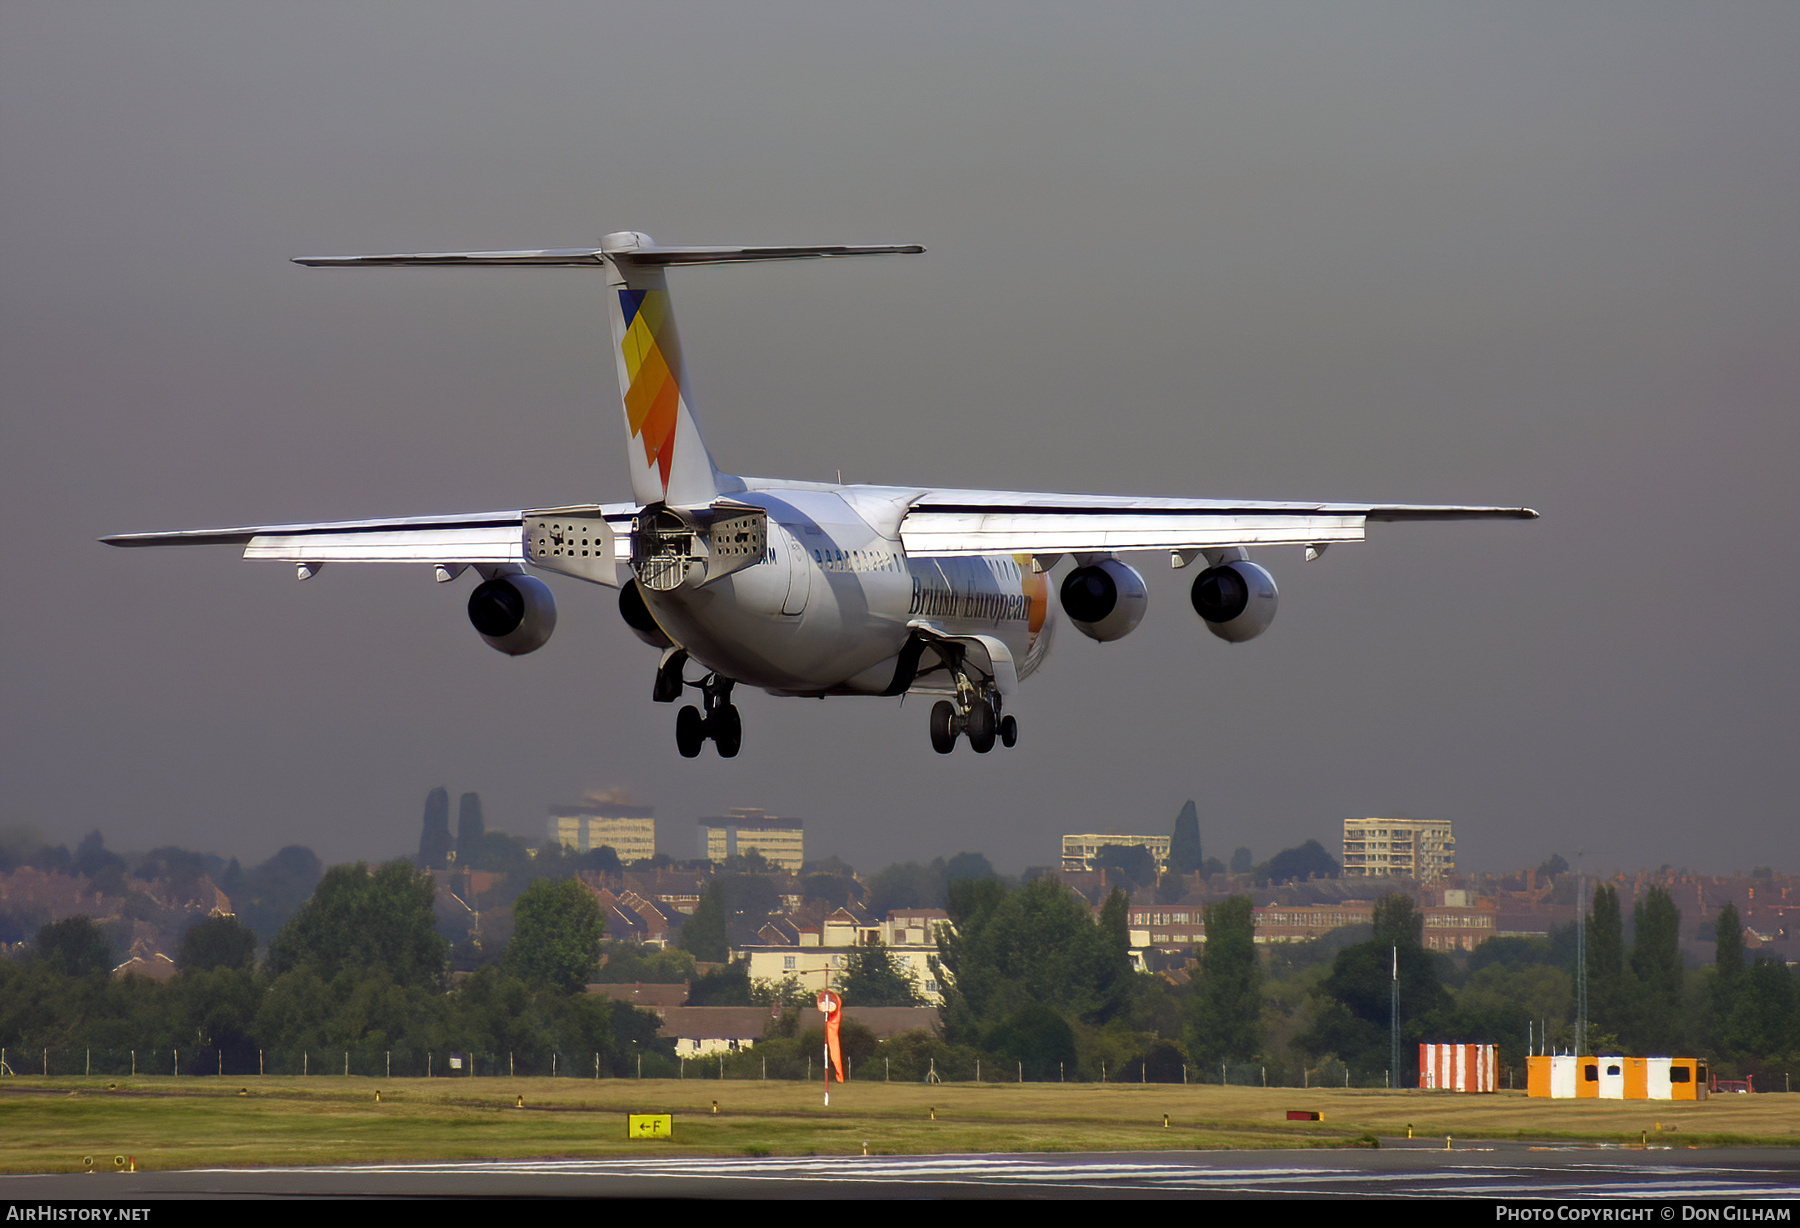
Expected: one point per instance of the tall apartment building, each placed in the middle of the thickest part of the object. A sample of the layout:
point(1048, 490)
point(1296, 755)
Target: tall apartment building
point(630, 831)
point(782, 842)
point(1079, 851)
point(1420, 849)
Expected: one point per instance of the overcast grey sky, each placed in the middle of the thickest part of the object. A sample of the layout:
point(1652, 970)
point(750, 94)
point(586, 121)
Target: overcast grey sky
point(1522, 254)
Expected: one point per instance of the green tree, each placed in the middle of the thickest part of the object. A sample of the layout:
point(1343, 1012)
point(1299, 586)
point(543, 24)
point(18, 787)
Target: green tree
point(968, 865)
point(1502, 1003)
point(1607, 988)
point(92, 857)
point(907, 885)
point(471, 828)
point(358, 919)
point(1656, 962)
point(499, 853)
point(703, 933)
point(1038, 1038)
point(727, 986)
point(434, 835)
point(1728, 961)
point(1225, 1014)
point(628, 963)
point(1398, 922)
point(835, 890)
point(217, 942)
point(748, 899)
point(1354, 1003)
point(1301, 861)
point(557, 928)
point(1184, 842)
point(1134, 861)
point(875, 978)
point(266, 896)
point(74, 946)
point(1764, 1022)
point(1037, 944)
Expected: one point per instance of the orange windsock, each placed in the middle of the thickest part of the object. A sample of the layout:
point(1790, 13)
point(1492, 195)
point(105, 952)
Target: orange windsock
point(833, 1009)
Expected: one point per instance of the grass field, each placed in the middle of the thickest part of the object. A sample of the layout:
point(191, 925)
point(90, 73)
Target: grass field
point(49, 1125)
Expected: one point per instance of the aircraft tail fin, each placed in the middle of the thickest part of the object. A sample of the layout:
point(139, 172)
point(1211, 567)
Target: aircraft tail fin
point(667, 457)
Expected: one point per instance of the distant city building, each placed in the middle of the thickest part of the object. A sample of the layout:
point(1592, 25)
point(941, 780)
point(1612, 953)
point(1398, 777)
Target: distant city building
point(818, 956)
point(1420, 849)
point(781, 842)
point(1079, 851)
point(1462, 923)
point(1175, 927)
point(629, 831)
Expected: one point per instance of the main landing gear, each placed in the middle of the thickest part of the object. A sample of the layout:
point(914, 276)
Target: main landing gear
point(976, 712)
point(717, 719)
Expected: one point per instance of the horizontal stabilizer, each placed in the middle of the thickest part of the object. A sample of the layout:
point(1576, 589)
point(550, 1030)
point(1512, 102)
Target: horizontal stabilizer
point(594, 257)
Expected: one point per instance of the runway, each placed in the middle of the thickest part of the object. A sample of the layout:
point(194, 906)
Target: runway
point(1503, 1171)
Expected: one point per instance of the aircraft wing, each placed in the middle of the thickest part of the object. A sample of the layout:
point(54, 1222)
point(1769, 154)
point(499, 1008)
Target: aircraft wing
point(470, 539)
point(945, 523)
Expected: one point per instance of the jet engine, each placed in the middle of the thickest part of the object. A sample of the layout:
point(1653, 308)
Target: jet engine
point(1237, 600)
point(637, 616)
point(1104, 600)
point(514, 614)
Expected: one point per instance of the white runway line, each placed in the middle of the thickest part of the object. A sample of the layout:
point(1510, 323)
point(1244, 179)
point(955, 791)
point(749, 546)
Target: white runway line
point(1475, 1181)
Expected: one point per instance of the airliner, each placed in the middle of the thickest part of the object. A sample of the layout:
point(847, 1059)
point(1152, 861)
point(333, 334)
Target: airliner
point(808, 588)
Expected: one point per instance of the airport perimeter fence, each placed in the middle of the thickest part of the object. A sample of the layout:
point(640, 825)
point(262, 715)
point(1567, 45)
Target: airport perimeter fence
point(936, 1064)
point(247, 1062)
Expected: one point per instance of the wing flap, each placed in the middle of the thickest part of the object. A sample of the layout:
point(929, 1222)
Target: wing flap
point(479, 538)
point(948, 523)
point(946, 534)
point(495, 545)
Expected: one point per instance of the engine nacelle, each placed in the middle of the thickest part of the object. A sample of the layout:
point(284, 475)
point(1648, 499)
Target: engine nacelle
point(514, 614)
point(637, 616)
point(1237, 600)
point(1104, 600)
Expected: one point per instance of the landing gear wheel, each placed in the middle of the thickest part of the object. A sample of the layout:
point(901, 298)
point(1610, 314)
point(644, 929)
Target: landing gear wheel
point(981, 726)
point(690, 732)
point(1009, 731)
point(943, 727)
point(727, 731)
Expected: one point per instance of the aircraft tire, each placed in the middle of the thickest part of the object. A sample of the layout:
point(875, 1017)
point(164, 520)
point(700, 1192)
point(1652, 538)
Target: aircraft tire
point(728, 731)
point(1009, 731)
point(981, 727)
point(943, 727)
point(690, 732)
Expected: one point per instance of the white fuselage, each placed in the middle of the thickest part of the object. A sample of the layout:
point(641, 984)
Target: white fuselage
point(833, 601)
